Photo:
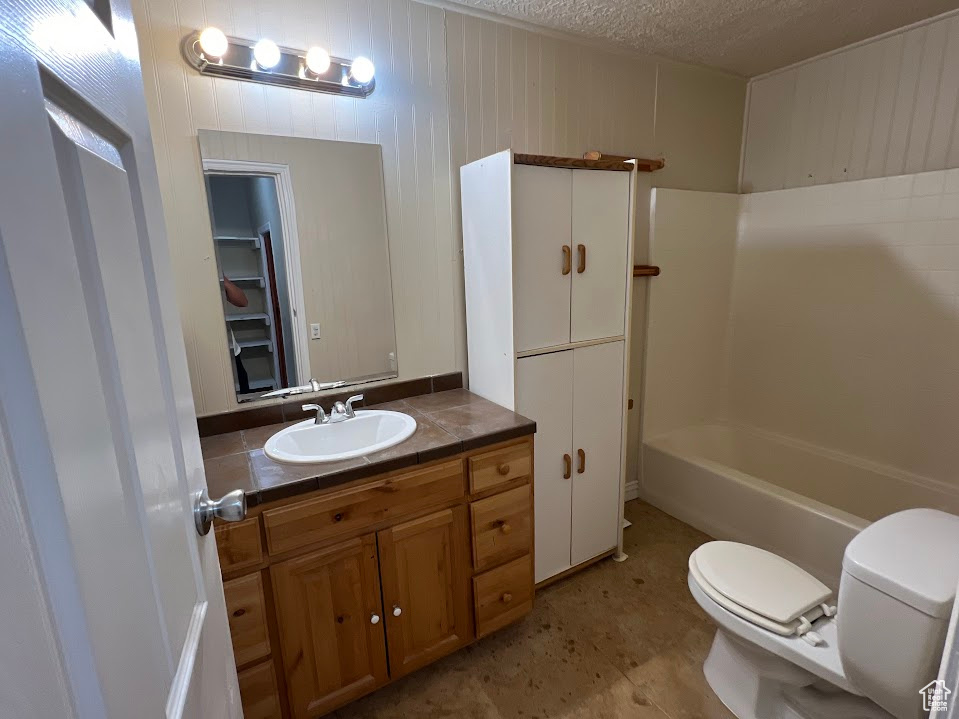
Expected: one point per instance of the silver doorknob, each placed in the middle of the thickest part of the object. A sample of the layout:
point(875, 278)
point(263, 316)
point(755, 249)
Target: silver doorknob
point(397, 611)
point(231, 507)
point(375, 619)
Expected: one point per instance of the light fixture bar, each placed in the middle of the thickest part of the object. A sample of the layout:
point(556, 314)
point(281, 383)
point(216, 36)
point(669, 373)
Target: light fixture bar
point(238, 62)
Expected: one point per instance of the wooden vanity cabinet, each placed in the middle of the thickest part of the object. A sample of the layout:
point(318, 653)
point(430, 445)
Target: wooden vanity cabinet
point(335, 593)
point(424, 564)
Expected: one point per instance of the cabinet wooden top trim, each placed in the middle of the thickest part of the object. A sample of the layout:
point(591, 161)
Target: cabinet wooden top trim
point(578, 163)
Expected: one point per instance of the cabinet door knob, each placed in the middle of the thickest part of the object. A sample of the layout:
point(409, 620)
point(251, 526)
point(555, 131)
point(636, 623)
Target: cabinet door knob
point(503, 469)
point(397, 611)
point(567, 259)
point(582, 259)
point(567, 466)
point(374, 618)
point(582, 461)
point(507, 598)
point(505, 528)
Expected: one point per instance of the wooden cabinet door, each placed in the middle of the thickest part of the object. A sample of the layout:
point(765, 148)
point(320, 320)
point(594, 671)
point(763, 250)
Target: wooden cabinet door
point(541, 282)
point(331, 625)
point(600, 242)
point(424, 566)
point(597, 445)
point(544, 394)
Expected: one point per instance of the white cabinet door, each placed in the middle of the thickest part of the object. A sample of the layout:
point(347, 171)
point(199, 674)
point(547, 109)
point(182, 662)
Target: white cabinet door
point(544, 394)
point(597, 440)
point(600, 240)
point(541, 229)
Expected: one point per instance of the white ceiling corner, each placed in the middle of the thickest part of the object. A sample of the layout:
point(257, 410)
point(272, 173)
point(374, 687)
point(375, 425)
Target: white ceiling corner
point(745, 37)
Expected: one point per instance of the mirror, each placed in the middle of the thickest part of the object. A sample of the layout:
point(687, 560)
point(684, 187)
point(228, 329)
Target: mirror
point(302, 257)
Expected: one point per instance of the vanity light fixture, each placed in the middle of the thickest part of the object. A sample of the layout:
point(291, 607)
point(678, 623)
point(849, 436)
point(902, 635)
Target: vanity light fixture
point(213, 53)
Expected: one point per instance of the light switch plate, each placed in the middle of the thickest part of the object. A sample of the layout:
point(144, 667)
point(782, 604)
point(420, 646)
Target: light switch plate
point(315, 331)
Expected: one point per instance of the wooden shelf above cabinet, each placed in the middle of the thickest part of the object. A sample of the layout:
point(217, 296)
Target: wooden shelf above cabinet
point(579, 163)
point(645, 271)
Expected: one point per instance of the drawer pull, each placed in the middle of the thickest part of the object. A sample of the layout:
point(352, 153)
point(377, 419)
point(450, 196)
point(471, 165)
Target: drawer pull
point(239, 612)
point(397, 611)
point(567, 466)
point(374, 618)
point(504, 527)
point(338, 517)
point(503, 469)
point(582, 461)
point(507, 598)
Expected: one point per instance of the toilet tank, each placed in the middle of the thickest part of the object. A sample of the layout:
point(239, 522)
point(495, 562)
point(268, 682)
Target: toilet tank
point(898, 585)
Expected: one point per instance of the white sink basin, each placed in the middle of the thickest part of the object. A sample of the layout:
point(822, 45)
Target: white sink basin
point(369, 431)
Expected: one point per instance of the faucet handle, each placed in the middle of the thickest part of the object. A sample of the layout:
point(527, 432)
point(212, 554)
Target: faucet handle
point(320, 414)
point(349, 404)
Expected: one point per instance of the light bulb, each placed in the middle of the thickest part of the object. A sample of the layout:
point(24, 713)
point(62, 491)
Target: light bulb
point(362, 70)
point(317, 60)
point(213, 42)
point(266, 54)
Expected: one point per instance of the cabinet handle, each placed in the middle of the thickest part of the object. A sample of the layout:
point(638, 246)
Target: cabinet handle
point(374, 618)
point(503, 469)
point(582, 461)
point(567, 466)
point(397, 611)
point(581, 268)
point(567, 259)
point(507, 598)
point(505, 527)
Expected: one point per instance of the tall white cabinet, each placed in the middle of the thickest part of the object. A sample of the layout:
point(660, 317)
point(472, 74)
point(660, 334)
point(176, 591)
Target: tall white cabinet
point(548, 253)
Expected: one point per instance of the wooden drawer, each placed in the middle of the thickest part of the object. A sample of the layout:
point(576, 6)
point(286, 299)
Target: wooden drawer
point(499, 466)
point(238, 544)
point(349, 511)
point(258, 692)
point(503, 595)
point(502, 527)
point(246, 610)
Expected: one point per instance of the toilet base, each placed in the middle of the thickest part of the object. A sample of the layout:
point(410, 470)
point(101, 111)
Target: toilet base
point(756, 684)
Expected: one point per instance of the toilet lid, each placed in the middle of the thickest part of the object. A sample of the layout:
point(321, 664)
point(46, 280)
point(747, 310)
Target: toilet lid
point(759, 581)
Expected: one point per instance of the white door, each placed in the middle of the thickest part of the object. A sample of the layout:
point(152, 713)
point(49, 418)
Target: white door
point(544, 394)
point(100, 457)
point(542, 255)
point(600, 241)
point(597, 440)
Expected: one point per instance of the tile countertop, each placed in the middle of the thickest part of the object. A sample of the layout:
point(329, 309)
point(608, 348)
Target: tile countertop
point(447, 423)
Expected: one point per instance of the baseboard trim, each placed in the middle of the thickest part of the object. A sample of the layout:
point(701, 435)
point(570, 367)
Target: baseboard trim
point(632, 490)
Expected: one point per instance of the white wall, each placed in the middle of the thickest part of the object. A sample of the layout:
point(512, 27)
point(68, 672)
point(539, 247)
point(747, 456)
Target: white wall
point(693, 240)
point(845, 319)
point(884, 107)
point(450, 88)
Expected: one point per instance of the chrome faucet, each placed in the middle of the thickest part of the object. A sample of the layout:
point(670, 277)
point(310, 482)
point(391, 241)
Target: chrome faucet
point(345, 411)
point(321, 417)
point(311, 386)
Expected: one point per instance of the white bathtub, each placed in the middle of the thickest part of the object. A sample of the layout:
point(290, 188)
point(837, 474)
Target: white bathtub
point(795, 499)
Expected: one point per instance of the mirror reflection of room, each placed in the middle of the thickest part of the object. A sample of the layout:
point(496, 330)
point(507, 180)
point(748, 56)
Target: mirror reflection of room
point(302, 260)
point(248, 241)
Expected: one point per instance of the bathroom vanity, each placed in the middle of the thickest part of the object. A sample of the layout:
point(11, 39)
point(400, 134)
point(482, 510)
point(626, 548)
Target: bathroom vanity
point(337, 584)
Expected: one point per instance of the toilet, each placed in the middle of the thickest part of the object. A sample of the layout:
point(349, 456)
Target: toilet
point(785, 649)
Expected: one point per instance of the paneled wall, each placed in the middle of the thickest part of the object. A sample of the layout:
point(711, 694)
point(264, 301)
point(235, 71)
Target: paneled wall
point(882, 108)
point(507, 87)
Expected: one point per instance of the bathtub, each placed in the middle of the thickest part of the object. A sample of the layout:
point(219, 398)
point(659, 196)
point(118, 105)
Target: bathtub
point(795, 499)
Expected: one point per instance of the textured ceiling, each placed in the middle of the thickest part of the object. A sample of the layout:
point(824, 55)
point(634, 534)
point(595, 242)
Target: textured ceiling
point(746, 37)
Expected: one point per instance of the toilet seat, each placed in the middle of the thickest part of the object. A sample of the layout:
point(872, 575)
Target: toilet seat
point(761, 587)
